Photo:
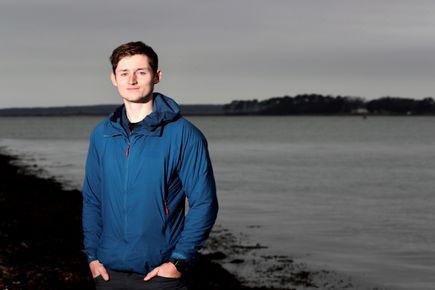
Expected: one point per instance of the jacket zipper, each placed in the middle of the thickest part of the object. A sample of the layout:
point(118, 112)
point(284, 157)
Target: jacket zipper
point(166, 208)
point(127, 151)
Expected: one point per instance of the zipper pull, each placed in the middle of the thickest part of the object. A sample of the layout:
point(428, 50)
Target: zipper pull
point(127, 151)
point(166, 208)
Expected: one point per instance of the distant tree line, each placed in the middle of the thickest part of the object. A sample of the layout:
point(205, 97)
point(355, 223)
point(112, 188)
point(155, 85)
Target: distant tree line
point(305, 104)
point(316, 104)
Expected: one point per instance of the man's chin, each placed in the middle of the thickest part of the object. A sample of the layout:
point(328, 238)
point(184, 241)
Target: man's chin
point(138, 100)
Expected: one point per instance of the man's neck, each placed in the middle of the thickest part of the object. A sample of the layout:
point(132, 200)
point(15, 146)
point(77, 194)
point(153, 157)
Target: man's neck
point(136, 112)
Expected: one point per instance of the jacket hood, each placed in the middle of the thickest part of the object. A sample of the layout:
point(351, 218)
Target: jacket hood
point(165, 110)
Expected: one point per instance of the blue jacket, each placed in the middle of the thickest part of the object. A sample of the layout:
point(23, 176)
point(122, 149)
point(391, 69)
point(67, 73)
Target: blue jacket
point(135, 188)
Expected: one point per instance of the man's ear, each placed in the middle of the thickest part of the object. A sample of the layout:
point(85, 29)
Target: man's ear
point(157, 77)
point(113, 79)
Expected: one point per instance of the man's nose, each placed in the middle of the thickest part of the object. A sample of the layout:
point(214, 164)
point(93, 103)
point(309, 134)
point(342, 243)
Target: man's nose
point(132, 79)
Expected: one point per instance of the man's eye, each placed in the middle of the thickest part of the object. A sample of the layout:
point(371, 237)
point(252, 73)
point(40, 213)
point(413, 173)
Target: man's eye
point(123, 74)
point(142, 73)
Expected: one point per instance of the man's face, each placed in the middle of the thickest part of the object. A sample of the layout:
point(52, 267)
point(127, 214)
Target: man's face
point(135, 79)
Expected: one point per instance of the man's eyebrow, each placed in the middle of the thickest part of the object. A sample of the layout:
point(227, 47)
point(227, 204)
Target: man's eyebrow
point(140, 68)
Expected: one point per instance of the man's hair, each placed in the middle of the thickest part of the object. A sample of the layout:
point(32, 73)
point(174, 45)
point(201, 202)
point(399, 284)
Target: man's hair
point(133, 48)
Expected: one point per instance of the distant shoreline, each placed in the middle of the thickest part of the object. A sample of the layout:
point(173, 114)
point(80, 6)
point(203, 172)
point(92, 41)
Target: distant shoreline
point(300, 105)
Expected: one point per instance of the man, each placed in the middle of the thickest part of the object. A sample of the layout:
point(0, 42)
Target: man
point(143, 161)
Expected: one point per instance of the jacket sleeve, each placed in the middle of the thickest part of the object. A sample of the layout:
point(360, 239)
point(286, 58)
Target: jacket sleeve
point(196, 174)
point(92, 221)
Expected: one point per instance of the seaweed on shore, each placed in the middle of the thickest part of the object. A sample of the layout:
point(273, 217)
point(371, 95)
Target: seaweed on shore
point(40, 233)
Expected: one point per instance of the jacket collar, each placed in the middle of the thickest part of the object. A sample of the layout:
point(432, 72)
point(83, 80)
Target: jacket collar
point(165, 110)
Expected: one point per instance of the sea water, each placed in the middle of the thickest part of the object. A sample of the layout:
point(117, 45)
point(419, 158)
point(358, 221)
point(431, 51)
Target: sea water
point(346, 194)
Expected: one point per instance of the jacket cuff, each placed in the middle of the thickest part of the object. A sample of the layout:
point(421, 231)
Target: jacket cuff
point(178, 256)
point(90, 257)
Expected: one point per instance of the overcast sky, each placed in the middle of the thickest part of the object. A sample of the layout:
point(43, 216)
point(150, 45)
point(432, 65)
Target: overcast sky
point(55, 53)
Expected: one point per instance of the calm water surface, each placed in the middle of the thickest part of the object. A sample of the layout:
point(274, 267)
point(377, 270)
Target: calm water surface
point(343, 193)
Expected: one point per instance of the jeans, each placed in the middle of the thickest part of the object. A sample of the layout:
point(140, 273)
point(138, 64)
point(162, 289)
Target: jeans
point(134, 281)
